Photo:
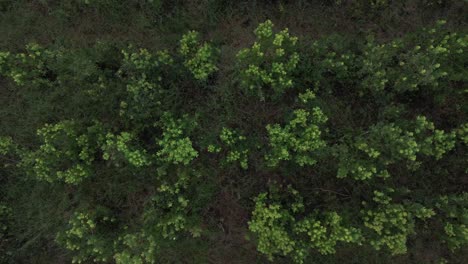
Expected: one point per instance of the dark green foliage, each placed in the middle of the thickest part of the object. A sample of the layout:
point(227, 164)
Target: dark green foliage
point(291, 150)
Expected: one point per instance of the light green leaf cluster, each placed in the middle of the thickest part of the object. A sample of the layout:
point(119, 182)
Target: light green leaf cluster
point(434, 142)
point(454, 211)
point(401, 67)
point(198, 58)
point(171, 208)
point(143, 74)
point(331, 57)
point(139, 248)
point(268, 67)
point(432, 62)
point(6, 145)
point(306, 96)
point(439, 143)
point(118, 146)
point(175, 147)
point(270, 223)
point(381, 146)
point(372, 152)
point(462, 133)
point(27, 68)
point(331, 62)
point(374, 64)
point(283, 229)
point(391, 223)
point(140, 62)
point(297, 140)
point(167, 217)
point(83, 237)
point(65, 155)
point(324, 235)
point(235, 145)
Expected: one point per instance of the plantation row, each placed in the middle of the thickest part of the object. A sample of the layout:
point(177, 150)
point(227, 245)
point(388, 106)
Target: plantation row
point(339, 144)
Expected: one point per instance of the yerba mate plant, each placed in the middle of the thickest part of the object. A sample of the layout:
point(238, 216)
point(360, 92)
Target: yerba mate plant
point(304, 149)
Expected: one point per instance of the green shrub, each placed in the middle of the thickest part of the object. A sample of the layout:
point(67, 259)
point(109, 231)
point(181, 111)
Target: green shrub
point(235, 147)
point(85, 236)
point(282, 231)
point(198, 58)
point(119, 145)
point(385, 144)
point(175, 147)
point(65, 155)
point(267, 68)
point(392, 223)
point(455, 220)
point(145, 76)
point(298, 139)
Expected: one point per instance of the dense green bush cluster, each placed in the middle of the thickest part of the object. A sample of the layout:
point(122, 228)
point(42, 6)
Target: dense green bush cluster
point(64, 155)
point(84, 236)
point(391, 223)
point(331, 145)
point(388, 144)
point(235, 145)
point(301, 137)
point(267, 68)
point(199, 59)
point(282, 230)
point(143, 74)
point(454, 212)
